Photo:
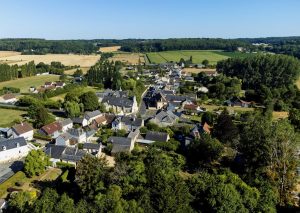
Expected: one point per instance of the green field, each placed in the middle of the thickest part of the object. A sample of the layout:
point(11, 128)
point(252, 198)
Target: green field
point(213, 56)
point(25, 83)
point(8, 116)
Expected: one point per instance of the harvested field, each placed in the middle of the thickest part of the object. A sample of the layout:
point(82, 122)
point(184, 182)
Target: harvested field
point(66, 59)
point(8, 53)
point(280, 115)
point(129, 58)
point(71, 71)
point(109, 49)
point(196, 70)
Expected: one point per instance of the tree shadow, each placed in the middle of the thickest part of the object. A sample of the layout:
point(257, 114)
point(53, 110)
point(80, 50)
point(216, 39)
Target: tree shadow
point(17, 166)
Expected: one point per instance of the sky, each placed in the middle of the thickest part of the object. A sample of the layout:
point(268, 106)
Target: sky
point(119, 19)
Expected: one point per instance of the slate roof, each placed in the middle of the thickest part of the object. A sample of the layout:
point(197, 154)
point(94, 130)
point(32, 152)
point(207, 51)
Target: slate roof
point(72, 154)
point(166, 116)
point(54, 151)
point(77, 120)
point(95, 146)
point(66, 136)
point(66, 122)
point(51, 128)
point(120, 144)
point(92, 114)
point(12, 143)
point(76, 132)
point(22, 128)
point(132, 121)
point(120, 102)
point(157, 136)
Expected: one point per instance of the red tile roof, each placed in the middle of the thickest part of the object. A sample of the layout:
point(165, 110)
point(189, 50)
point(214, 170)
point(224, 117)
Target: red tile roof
point(51, 128)
point(190, 106)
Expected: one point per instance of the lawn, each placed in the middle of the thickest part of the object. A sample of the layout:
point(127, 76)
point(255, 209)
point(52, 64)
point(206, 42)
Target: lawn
point(298, 83)
point(8, 116)
point(51, 174)
point(213, 56)
point(25, 83)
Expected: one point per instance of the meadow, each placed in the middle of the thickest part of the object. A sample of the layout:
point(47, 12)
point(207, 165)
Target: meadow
point(25, 83)
point(213, 56)
point(11, 58)
point(9, 115)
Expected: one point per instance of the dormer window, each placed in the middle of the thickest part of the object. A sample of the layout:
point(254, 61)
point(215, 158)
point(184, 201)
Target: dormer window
point(3, 148)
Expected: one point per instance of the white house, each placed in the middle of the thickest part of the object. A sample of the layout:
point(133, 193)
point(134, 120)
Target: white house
point(8, 99)
point(23, 130)
point(90, 116)
point(13, 149)
point(66, 124)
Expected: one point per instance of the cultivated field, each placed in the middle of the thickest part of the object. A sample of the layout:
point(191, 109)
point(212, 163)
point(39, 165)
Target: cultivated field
point(66, 59)
point(130, 58)
point(8, 116)
point(109, 49)
point(213, 56)
point(25, 83)
point(71, 71)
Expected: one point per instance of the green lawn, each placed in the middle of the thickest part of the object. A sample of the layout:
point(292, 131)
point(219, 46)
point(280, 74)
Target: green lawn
point(213, 56)
point(8, 116)
point(25, 83)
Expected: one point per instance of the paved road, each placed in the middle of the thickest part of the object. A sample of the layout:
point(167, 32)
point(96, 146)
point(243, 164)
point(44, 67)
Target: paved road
point(9, 169)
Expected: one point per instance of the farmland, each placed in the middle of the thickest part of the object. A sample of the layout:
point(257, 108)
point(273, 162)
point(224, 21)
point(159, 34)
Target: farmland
point(25, 83)
point(130, 58)
point(213, 56)
point(8, 116)
point(10, 57)
point(109, 49)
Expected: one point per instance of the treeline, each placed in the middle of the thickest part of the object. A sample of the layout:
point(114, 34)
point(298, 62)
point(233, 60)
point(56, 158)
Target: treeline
point(156, 45)
point(42, 46)
point(266, 78)
point(105, 74)
point(8, 72)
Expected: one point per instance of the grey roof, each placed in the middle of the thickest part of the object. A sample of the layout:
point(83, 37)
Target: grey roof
point(12, 143)
point(90, 133)
point(120, 102)
point(77, 120)
point(66, 122)
point(76, 132)
point(120, 144)
point(175, 98)
point(132, 121)
point(72, 154)
point(92, 114)
point(157, 136)
point(166, 116)
point(66, 136)
point(54, 151)
point(91, 146)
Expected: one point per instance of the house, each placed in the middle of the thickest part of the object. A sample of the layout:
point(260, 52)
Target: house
point(64, 154)
point(23, 129)
point(90, 116)
point(66, 124)
point(155, 100)
point(127, 123)
point(65, 139)
point(123, 105)
point(52, 130)
point(237, 102)
point(13, 149)
point(49, 84)
point(164, 118)
point(79, 121)
point(191, 108)
point(197, 130)
point(121, 144)
point(93, 148)
point(152, 136)
point(5, 133)
point(60, 84)
point(81, 136)
point(104, 119)
point(8, 99)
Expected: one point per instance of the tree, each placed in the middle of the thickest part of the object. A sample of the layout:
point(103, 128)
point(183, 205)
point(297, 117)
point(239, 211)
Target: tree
point(284, 159)
point(21, 201)
point(205, 62)
point(36, 162)
point(47, 202)
point(90, 101)
point(91, 175)
point(73, 109)
point(225, 130)
point(78, 73)
point(208, 118)
point(40, 115)
point(294, 117)
point(65, 204)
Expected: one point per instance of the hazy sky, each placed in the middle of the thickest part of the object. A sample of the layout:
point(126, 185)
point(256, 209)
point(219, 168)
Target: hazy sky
point(87, 19)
